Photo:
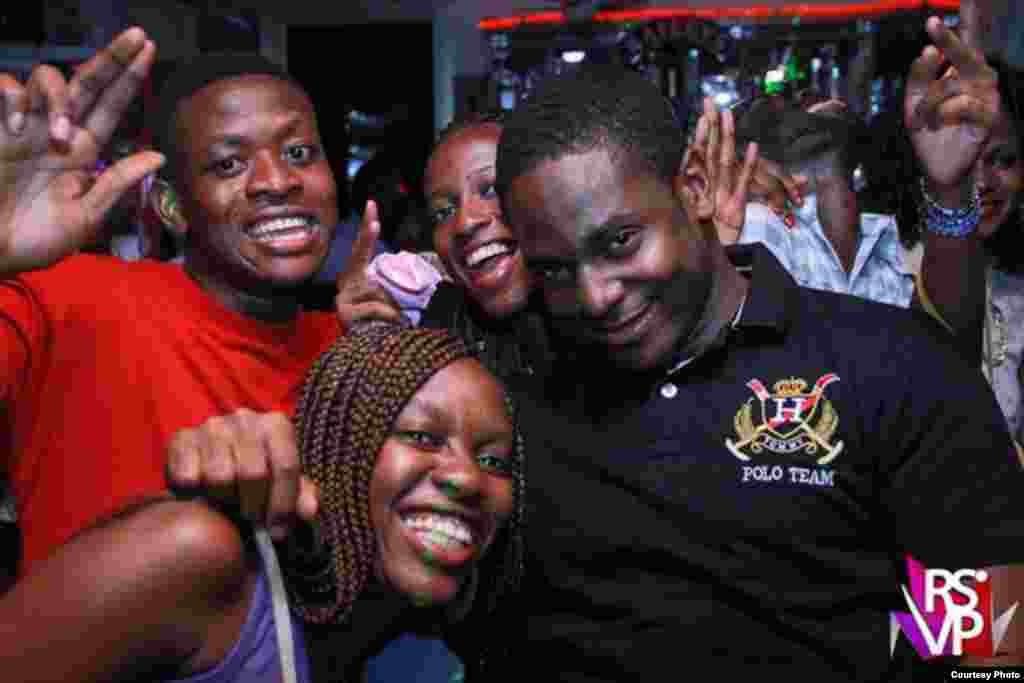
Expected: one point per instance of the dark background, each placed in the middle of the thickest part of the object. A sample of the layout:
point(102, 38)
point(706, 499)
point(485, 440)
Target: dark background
point(384, 70)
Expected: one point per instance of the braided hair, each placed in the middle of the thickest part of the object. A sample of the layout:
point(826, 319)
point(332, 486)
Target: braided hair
point(350, 400)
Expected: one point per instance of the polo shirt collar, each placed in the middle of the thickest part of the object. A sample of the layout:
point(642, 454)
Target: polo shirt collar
point(770, 300)
point(768, 307)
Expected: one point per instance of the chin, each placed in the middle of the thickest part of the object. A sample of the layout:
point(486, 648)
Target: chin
point(290, 277)
point(425, 589)
point(503, 304)
point(499, 310)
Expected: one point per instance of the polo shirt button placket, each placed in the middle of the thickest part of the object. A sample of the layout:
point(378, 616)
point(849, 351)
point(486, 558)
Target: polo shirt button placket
point(669, 390)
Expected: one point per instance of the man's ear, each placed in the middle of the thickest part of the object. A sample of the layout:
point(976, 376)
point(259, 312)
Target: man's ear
point(164, 200)
point(693, 185)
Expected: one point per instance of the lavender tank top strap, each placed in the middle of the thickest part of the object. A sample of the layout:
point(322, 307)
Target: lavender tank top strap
point(256, 657)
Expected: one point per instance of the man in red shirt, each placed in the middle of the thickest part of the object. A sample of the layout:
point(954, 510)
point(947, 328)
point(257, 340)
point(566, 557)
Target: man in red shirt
point(103, 361)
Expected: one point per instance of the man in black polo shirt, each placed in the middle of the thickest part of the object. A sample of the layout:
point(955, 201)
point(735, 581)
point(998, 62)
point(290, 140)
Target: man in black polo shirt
point(730, 478)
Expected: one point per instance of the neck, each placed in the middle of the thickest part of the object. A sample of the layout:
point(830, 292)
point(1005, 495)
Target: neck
point(728, 290)
point(271, 308)
point(840, 219)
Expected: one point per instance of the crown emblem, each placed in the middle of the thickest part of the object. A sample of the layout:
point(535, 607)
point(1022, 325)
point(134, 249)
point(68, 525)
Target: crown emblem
point(797, 418)
point(790, 387)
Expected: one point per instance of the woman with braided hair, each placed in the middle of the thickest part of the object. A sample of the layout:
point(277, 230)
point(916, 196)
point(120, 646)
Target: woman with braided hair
point(412, 445)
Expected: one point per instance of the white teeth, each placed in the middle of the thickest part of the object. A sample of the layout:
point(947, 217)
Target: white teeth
point(443, 529)
point(478, 256)
point(275, 226)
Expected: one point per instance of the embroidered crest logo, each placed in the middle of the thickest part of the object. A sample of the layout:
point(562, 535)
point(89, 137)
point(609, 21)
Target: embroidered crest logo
point(792, 420)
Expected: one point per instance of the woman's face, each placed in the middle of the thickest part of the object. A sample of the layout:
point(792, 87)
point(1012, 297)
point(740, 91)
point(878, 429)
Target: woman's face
point(443, 483)
point(999, 173)
point(479, 250)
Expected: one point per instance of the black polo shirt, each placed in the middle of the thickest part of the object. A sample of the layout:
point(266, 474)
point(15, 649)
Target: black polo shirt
point(751, 513)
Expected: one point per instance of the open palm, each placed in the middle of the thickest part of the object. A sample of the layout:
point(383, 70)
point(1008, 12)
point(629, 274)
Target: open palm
point(949, 116)
point(715, 140)
point(50, 200)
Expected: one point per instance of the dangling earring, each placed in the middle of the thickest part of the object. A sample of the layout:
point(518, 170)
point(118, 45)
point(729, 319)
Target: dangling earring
point(169, 204)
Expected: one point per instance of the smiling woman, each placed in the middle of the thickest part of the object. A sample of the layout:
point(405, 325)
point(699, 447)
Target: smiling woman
point(478, 248)
point(412, 444)
point(488, 301)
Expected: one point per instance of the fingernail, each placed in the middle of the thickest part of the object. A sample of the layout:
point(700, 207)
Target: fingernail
point(16, 122)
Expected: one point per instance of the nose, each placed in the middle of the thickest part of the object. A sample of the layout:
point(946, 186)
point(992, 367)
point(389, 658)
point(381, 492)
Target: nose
point(457, 475)
point(473, 215)
point(272, 175)
point(597, 292)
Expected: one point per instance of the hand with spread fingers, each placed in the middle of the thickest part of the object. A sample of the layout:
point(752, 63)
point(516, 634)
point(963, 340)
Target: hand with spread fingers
point(949, 114)
point(715, 138)
point(248, 462)
point(359, 297)
point(51, 135)
point(757, 179)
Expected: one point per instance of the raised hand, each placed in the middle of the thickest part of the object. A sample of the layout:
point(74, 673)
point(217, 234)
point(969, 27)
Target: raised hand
point(359, 298)
point(51, 135)
point(716, 139)
point(949, 115)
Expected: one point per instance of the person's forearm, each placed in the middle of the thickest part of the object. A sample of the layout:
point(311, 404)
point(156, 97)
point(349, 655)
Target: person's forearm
point(953, 275)
point(126, 598)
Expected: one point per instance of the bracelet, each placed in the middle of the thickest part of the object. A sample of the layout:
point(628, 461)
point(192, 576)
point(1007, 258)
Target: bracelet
point(949, 222)
point(939, 220)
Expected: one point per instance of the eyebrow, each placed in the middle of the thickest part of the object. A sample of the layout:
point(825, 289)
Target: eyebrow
point(232, 141)
point(600, 234)
point(228, 142)
point(472, 175)
point(426, 408)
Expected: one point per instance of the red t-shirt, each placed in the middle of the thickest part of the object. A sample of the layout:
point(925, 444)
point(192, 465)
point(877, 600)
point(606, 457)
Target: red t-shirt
point(102, 361)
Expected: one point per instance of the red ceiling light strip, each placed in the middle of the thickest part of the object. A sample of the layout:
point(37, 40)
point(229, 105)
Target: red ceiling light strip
point(836, 11)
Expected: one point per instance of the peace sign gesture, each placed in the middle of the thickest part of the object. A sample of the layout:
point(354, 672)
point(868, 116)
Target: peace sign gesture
point(735, 185)
point(949, 115)
point(715, 137)
point(51, 135)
